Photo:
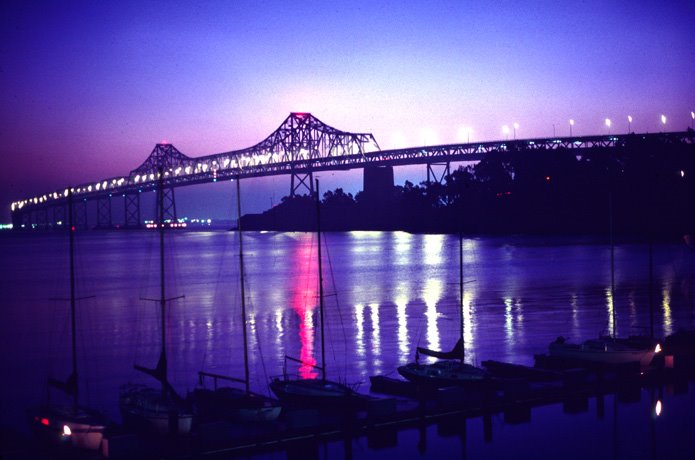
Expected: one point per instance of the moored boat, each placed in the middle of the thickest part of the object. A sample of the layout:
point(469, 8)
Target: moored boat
point(604, 350)
point(227, 402)
point(160, 411)
point(318, 393)
point(451, 369)
point(78, 426)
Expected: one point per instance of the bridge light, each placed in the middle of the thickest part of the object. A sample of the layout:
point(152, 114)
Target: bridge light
point(188, 170)
point(104, 185)
point(516, 126)
point(89, 188)
point(98, 185)
point(151, 176)
point(505, 131)
point(663, 119)
point(225, 163)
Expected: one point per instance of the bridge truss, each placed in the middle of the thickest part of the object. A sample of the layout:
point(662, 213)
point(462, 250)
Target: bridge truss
point(301, 146)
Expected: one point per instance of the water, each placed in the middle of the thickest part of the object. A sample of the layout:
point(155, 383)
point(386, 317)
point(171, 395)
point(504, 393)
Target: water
point(386, 293)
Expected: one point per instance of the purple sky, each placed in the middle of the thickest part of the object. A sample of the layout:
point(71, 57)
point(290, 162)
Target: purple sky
point(88, 88)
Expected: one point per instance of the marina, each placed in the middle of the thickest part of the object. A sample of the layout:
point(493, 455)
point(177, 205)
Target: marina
point(506, 336)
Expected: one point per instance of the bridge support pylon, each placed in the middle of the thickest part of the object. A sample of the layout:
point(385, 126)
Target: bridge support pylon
point(432, 175)
point(132, 210)
point(104, 212)
point(79, 214)
point(302, 180)
point(169, 204)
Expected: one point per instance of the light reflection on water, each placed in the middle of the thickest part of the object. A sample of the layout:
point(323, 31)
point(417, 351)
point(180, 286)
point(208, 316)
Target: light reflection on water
point(389, 292)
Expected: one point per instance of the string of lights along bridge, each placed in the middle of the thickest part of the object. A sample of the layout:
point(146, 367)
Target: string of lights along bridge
point(299, 147)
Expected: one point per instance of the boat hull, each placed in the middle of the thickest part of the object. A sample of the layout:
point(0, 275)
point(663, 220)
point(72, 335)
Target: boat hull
point(234, 404)
point(317, 393)
point(602, 352)
point(85, 429)
point(143, 408)
point(444, 374)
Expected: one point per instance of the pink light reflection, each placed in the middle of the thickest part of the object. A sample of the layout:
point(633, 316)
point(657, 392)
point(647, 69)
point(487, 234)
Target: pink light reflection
point(304, 301)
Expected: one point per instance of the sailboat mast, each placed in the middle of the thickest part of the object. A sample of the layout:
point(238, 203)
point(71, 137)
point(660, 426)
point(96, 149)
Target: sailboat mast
point(318, 232)
point(243, 295)
point(162, 365)
point(73, 319)
point(462, 319)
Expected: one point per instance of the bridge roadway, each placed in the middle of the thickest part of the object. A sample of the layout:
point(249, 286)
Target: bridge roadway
point(301, 146)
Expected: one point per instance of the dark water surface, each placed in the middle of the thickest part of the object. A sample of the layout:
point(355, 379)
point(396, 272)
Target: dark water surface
point(385, 294)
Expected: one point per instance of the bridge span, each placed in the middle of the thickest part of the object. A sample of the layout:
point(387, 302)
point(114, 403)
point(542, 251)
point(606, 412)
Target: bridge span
point(300, 146)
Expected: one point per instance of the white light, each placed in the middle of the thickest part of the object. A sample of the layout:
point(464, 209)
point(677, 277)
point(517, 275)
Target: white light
point(571, 122)
point(505, 129)
point(608, 122)
point(137, 178)
point(682, 173)
point(104, 185)
point(657, 349)
point(516, 125)
point(629, 118)
point(66, 430)
point(657, 408)
point(65, 193)
point(663, 119)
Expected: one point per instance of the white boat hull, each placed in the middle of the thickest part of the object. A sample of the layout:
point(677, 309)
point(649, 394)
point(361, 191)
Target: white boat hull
point(602, 352)
point(143, 407)
point(84, 431)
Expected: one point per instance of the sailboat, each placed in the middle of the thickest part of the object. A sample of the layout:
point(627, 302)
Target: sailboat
point(321, 392)
point(229, 402)
point(451, 369)
point(161, 411)
point(609, 349)
point(81, 427)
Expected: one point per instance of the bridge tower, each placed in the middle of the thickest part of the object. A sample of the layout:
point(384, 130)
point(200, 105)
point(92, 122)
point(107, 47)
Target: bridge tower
point(301, 140)
point(165, 159)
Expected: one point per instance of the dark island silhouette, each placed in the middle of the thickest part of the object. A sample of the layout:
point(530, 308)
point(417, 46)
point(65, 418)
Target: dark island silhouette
point(642, 190)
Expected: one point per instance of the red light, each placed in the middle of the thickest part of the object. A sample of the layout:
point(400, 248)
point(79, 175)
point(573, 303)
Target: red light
point(44, 421)
point(72, 228)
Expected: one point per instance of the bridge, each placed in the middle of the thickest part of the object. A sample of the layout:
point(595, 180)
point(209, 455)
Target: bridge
point(301, 146)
